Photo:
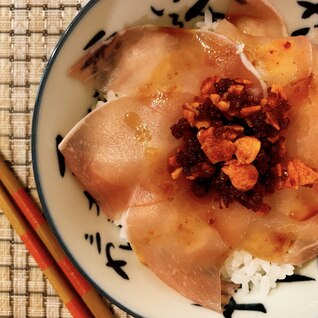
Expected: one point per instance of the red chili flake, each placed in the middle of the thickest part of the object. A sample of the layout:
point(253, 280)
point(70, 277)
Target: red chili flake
point(287, 45)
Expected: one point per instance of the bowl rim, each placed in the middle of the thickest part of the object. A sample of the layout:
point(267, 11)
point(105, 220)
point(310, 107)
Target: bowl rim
point(34, 150)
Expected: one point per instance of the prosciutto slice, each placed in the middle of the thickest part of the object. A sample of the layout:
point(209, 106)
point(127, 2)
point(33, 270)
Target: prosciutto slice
point(170, 63)
point(256, 17)
point(112, 166)
point(283, 60)
point(181, 248)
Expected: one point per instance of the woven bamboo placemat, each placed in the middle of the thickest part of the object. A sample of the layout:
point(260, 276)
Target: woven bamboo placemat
point(29, 30)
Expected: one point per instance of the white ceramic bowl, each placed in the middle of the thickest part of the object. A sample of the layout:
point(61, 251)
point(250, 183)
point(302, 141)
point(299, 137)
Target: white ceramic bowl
point(93, 243)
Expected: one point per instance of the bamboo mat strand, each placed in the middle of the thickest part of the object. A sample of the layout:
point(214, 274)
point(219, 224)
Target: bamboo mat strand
point(29, 30)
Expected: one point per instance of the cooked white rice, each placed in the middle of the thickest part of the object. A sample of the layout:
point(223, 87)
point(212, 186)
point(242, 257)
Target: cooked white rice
point(207, 24)
point(108, 97)
point(111, 96)
point(254, 273)
point(122, 224)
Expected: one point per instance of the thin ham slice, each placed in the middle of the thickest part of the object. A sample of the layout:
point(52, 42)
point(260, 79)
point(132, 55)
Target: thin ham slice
point(185, 242)
point(289, 233)
point(278, 60)
point(109, 150)
point(301, 137)
point(256, 17)
point(182, 249)
point(167, 61)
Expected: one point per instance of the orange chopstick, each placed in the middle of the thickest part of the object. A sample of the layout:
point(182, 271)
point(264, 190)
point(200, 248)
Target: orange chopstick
point(69, 297)
point(37, 221)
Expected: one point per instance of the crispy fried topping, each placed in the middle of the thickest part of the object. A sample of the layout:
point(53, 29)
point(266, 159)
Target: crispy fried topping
point(247, 148)
point(295, 173)
point(216, 149)
point(201, 170)
point(215, 98)
point(247, 111)
point(223, 106)
point(279, 91)
point(207, 86)
point(236, 89)
point(243, 81)
point(243, 176)
point(176, 173)
point(190, 112)
point(270, 119)
point(232, 144)
point(232, 132)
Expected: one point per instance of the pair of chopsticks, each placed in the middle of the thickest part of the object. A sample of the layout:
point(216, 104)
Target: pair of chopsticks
point(76, 293)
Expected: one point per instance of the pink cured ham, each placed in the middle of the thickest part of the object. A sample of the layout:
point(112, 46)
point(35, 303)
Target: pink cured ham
point(278, 60)
point(257, 18)
point(111, 167)
point(180, 248)
point(171, 65)
point(182, 241)
point(289, 233)
point(185, 242)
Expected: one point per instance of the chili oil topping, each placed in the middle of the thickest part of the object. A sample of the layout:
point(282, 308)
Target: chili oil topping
point(233, 144)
